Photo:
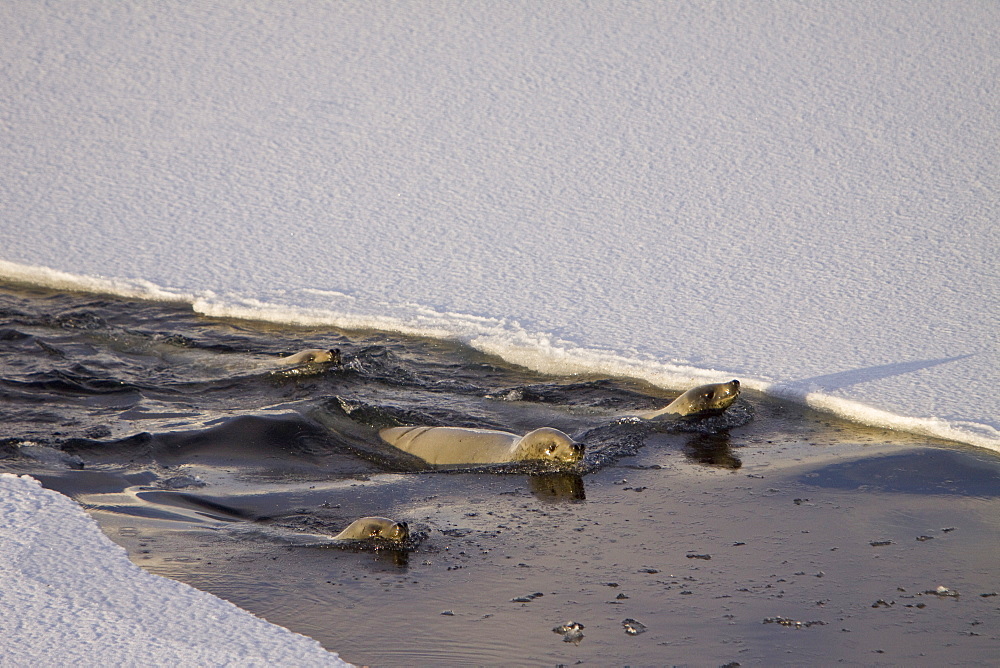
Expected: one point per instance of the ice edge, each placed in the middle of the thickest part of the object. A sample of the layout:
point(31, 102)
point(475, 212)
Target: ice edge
point(504, 338)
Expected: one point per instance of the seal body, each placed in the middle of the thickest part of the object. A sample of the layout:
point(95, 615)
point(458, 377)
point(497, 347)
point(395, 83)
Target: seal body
point(381, 528)
point(312, 356)
point(712, 398)
point(457, 445)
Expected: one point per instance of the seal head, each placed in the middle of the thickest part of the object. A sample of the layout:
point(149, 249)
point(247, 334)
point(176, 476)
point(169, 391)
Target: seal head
point(712, 398)
point(313, 356)
point(377, 528)
point(548, 444)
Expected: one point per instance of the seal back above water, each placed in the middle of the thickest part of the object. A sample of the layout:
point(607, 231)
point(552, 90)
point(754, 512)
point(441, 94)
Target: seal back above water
point(458, 445)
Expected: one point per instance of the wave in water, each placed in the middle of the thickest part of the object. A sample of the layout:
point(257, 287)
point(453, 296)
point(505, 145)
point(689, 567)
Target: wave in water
point(501, 337)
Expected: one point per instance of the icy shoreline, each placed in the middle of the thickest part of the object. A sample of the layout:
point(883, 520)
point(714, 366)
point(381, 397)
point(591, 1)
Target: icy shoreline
point(539, 352)
point(71, 596)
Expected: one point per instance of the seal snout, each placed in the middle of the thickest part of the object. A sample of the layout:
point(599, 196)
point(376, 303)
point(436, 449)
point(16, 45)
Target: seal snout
point(400, 531)
point(575, 451)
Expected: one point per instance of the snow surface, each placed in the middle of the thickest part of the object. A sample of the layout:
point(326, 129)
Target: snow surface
point(71, 597)
point(800, 195)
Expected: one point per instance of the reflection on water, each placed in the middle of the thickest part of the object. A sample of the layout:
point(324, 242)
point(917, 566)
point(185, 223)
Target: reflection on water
point(557, 487)
point(712, 450)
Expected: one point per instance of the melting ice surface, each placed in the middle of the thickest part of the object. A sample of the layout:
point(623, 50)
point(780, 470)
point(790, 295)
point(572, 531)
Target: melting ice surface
point(802, 197)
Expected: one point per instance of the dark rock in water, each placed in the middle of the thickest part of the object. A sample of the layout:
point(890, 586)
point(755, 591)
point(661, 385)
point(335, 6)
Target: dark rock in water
point(791, 623)
point(181, 481)
point(633, 627)
point(527, 599)
point(571, 632)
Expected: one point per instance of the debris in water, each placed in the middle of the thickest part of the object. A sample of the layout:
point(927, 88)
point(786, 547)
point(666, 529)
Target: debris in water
point(880, 543)
point(925, 538)
point(791, 623)
point(633, 627)
point(448, 613)
point(571, 632)
point(699, 556)
point(527, 599)
point(882, 603)
point(942, 591)
point(182, 481)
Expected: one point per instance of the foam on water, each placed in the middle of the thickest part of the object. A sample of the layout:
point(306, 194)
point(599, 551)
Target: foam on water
point(504, 338)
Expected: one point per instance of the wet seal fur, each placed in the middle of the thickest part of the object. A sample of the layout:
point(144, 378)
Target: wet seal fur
point(458, 445)
point(377, 528)
point(712, 398)
point(312, 356)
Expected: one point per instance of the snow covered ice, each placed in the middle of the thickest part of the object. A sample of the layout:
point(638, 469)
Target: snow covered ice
point(72, 597)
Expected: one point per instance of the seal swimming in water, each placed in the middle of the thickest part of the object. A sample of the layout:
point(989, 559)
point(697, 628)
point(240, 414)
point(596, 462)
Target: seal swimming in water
point(381, 528)
point(458, 445)
point(312, 356)
point(712, 398)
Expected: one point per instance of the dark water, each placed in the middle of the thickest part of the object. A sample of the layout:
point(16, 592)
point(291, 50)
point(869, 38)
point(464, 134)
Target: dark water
point(215, 465)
